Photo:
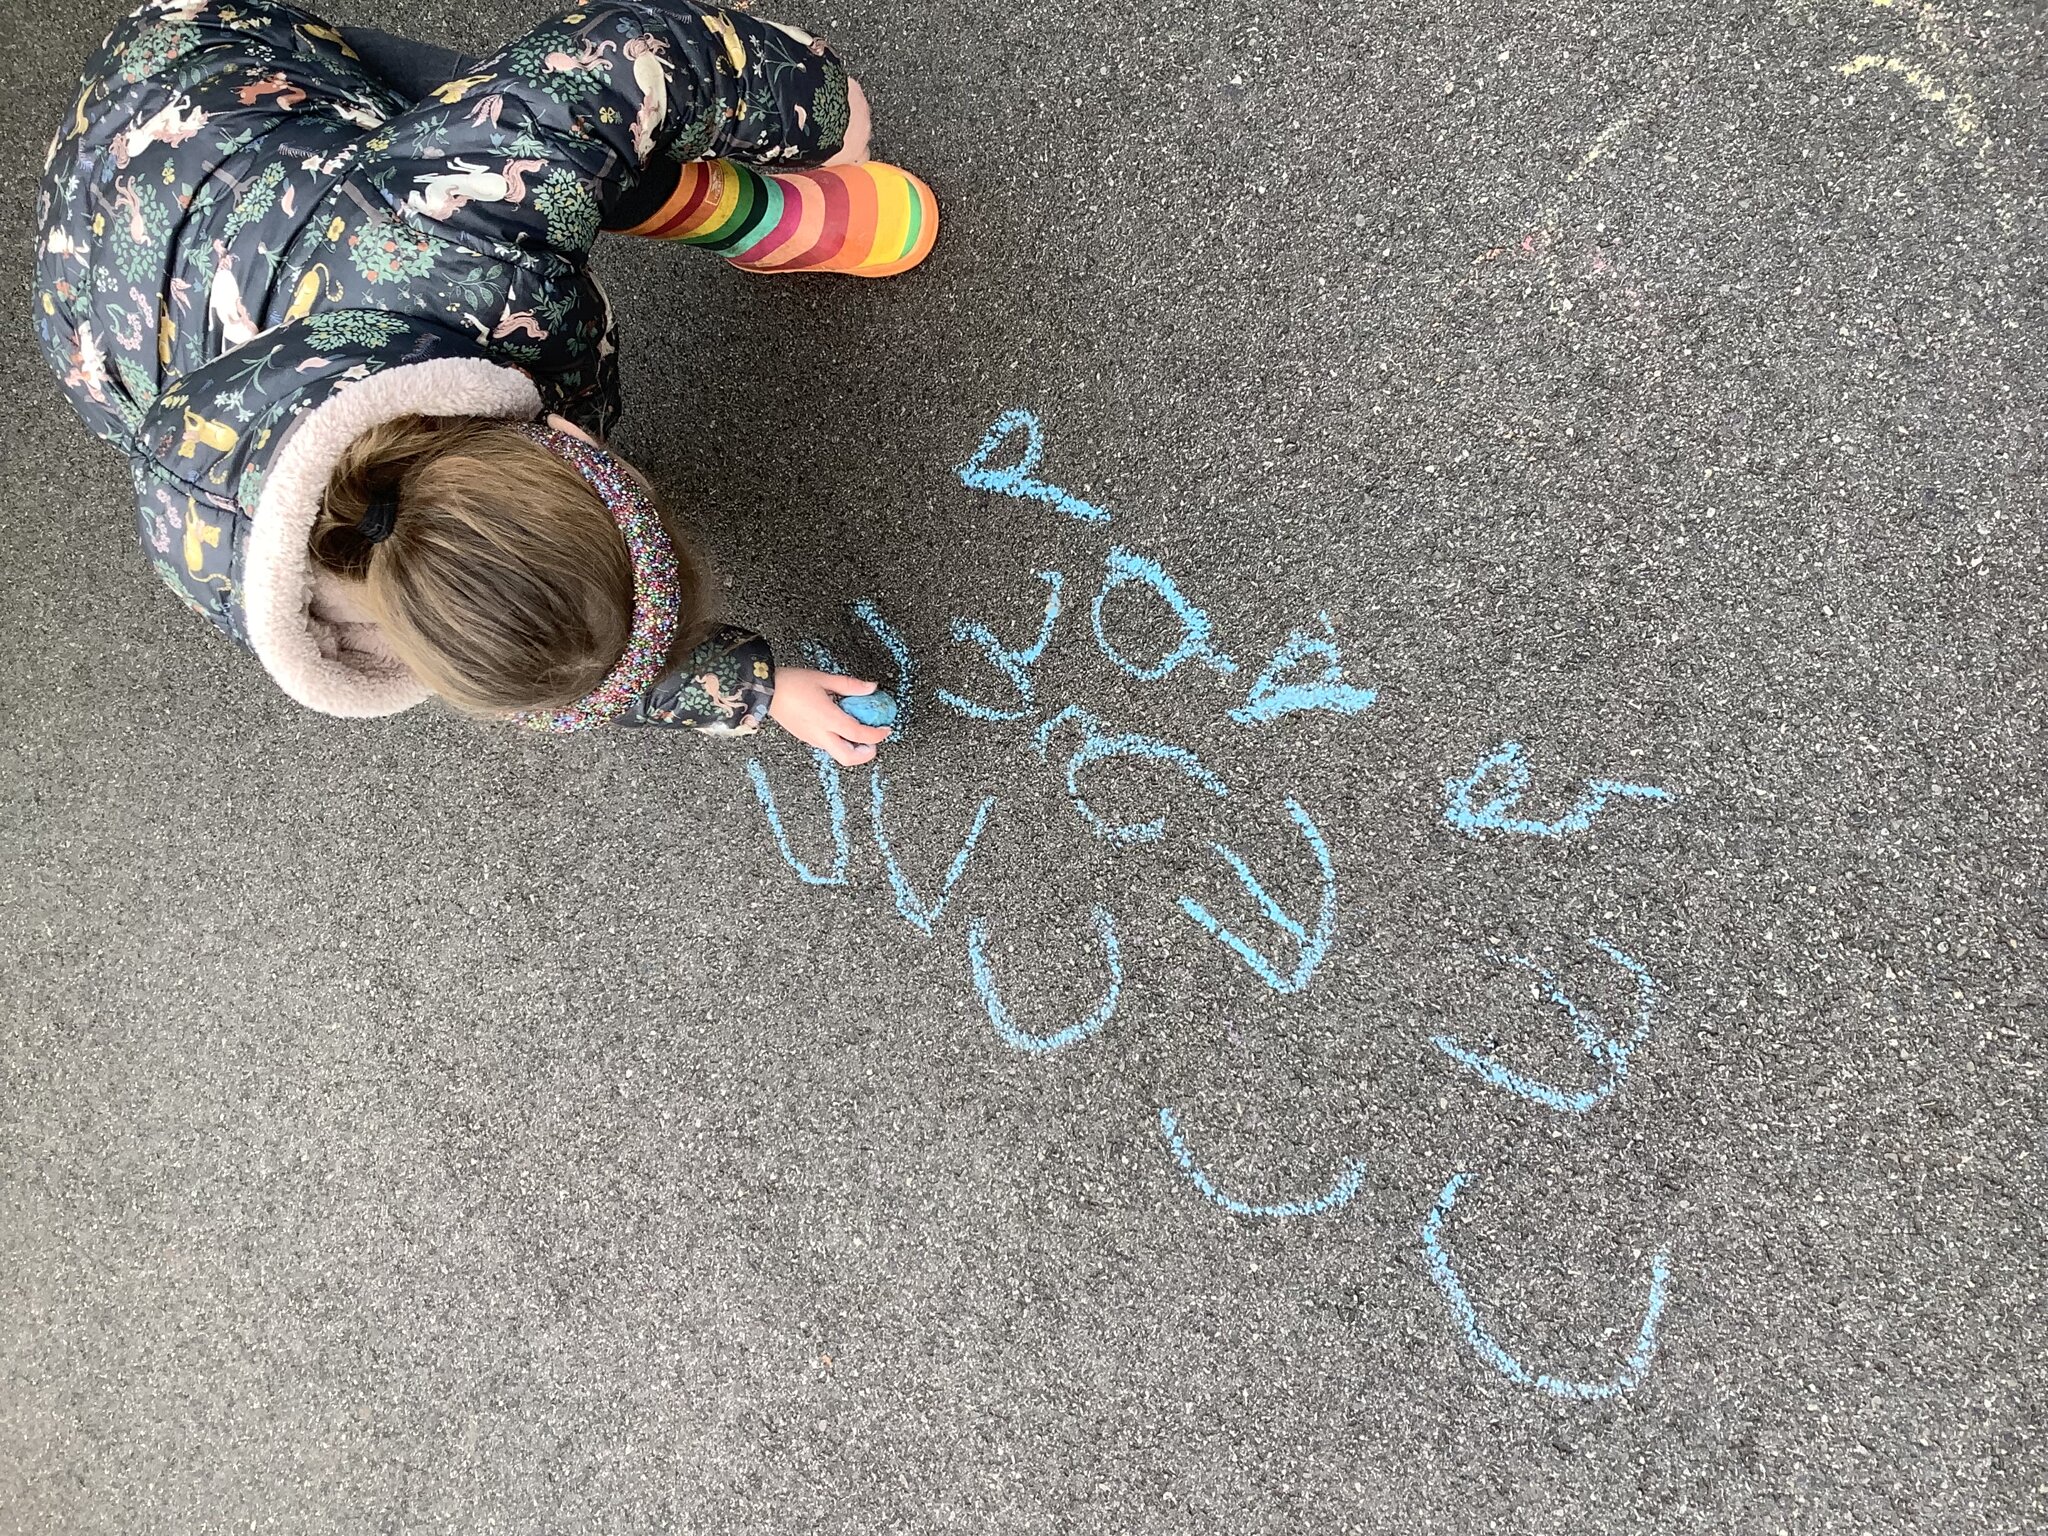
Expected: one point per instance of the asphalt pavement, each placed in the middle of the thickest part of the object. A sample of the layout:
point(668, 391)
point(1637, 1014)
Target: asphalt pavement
point(1529, 1022)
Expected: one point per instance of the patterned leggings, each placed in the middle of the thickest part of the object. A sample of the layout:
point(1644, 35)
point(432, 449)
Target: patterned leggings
point(868, 220)
point(415, 69)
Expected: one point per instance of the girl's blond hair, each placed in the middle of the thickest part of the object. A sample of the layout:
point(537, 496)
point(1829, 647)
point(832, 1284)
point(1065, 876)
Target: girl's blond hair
point(505, 584)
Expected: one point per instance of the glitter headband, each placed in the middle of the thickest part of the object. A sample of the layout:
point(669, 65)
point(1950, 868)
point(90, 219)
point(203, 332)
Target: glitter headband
point(656, 602)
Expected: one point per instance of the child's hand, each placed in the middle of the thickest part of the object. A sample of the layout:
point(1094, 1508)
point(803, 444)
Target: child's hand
point(805, 706)
point(854, 147)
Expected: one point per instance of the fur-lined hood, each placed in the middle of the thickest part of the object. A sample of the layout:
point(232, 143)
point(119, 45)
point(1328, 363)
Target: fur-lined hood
point(250, 249)
point(231, 507)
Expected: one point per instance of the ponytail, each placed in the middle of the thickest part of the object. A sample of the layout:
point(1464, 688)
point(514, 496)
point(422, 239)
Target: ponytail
point(502, 582)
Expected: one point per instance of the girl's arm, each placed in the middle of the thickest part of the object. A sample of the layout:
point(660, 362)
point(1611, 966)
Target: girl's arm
point(724, 686)
point(728, 684)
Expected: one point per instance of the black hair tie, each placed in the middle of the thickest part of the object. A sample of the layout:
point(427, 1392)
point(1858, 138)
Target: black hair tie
point(379, 520)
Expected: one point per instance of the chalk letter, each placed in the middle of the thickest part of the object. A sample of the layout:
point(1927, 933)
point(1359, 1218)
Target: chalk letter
point(1121, 569)
point(916, 912)
point(835, 807)
point(1609, 1051)
point(998, 1015)
point(1270, 698)
point(1312, 947)
point(1461, 813)
point(1099, 745)
point(1633, 1370)
point(1012, 664)
point(868, 614)
point(1339, 1194)
point(1016, 480)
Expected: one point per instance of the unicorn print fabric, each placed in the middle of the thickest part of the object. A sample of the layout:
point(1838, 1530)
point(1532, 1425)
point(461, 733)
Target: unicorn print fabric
point(250, 249)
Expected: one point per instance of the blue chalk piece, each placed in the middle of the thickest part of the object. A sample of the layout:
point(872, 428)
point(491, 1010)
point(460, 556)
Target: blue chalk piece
point(877, 708)
point(1348, 1182)
point(1483, 1343)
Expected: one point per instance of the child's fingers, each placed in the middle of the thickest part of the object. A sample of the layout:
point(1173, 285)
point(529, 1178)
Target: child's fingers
point(846, 687)
point(853, 730)
point(850, 754)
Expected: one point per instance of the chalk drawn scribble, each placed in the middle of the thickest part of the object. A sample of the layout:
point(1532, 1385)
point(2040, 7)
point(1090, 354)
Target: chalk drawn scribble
point(1016, 479)
point(1633, 1370)
point(1492, 815)
point(1306, 673)
point(1349, 1181)
point(1956, 105)
point(1959, 108)
point(1609, 1051)
point(998, 1015)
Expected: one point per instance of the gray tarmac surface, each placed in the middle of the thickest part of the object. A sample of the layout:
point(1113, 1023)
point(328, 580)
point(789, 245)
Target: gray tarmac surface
point(409, 1126)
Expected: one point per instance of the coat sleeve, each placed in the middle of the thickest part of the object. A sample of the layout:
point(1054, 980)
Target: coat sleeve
point(537, 148)
point(722, 686)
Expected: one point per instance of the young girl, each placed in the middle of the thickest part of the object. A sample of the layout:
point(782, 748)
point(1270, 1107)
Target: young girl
point(342, 324)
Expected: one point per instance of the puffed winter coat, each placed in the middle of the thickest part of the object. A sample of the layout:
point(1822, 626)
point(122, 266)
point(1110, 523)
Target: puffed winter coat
point(251, 249)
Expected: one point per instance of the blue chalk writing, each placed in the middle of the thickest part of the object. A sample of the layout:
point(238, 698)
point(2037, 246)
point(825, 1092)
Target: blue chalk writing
point(1609, 1051)
point(1098, 748)
point(1633, 1370)
point(917, 912)
point(1312, 947)
point(1014, 665)
point(1270, 698)
point(999, 1016)
point(1348, 1183)
point(1016, 480)
point(1099, 744)
point(868, 614)
point(1461, 813)
point(835, 807)
point(1122, 568)
point(1041, 739)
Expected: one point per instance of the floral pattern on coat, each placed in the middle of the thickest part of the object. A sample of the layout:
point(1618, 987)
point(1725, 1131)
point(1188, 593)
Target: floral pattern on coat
point(237, 218)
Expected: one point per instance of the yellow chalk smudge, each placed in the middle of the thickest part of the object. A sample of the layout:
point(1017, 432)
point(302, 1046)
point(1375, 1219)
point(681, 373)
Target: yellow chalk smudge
point(1957, 106)
point(1606, 139)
